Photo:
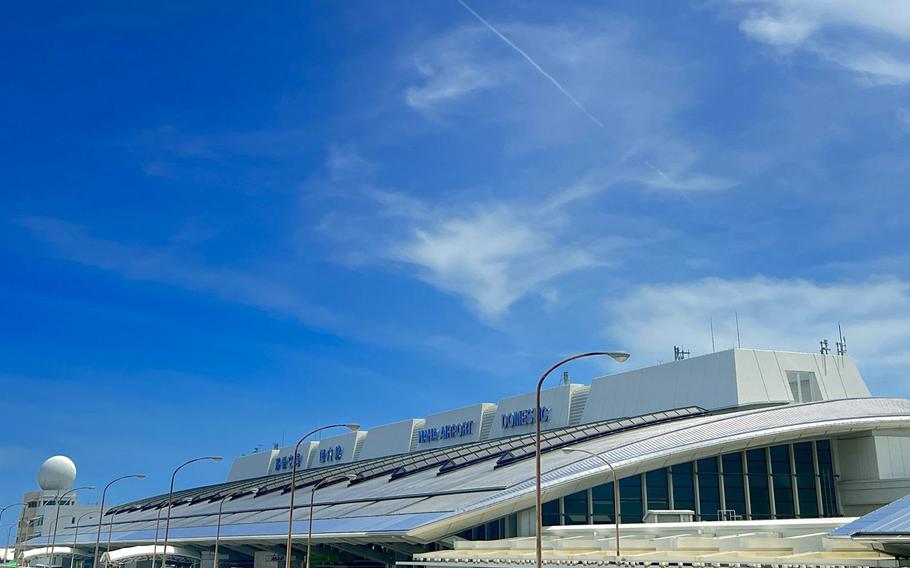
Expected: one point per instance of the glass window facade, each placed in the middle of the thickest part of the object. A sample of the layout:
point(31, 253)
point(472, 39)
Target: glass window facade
point(505, 527)
point(602, 503)
point(806, 486)
point(803, 386)
point(709, 508)
point(550, 513)
point(734, 487)
point(826, 478)
point(630, 502)
point(683, 476)
point(657, 488)
point(575, 508)
point(784, 481)
point(759, 489)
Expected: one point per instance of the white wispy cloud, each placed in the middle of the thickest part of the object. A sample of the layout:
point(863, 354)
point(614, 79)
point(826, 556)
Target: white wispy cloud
point(785, 314)
point(490, 253)
point(878, 69)
point(784, 31)
point(490, 258)
point(449, 72)
point(868, 38)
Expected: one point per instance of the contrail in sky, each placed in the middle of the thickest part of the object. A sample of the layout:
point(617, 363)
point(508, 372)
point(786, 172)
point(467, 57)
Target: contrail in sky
point(535, 65)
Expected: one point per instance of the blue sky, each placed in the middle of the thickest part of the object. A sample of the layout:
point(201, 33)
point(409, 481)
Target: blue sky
point(225, 223)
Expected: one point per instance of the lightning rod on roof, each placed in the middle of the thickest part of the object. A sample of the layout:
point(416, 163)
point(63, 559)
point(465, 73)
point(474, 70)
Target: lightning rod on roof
point(712, 335)
point(739, 342)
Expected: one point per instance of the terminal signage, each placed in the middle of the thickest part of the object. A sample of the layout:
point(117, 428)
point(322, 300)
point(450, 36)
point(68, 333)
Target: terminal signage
point(524, 417)
point(287, 462)
point(331, 454)
point(447, 432)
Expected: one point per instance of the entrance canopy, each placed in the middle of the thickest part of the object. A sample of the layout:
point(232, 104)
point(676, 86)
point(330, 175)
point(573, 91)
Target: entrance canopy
point(46, 551)
point(122, 555)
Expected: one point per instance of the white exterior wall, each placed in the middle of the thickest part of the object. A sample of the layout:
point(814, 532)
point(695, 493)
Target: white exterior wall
point(761, 376)
point(472, 415)
point(557, 400)
point(253, 465)
point(389, 439)
point(708, 381)
point(892, 457)
point(282, 461)
point(348, 444)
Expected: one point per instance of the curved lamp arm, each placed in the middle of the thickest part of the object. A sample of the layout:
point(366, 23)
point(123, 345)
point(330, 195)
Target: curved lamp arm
point(352, 427)
point(619, 357)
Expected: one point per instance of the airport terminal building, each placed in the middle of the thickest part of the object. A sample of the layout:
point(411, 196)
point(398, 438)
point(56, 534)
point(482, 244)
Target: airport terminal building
point(737, 442)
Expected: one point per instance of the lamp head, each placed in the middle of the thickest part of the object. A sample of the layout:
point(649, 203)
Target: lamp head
point(619, 356)
point(140, 476)
point(216, 458)
point(568, 451)
point(353, 426)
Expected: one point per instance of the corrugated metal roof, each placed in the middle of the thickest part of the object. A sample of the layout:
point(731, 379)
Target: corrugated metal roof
point(427, 501)
point(892, 519)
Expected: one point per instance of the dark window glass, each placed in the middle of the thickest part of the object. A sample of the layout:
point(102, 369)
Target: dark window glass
point(495, 529)
point(630, 505)
point(708, 489)
point(480, 533)
point(805, 480)
point(783, 482)
point(575, 508)
point(550, 513)
point(826, 477)
point(759, 495)
point(683, 486)
point(602, 502)
point(657, 489)
point(734, 486)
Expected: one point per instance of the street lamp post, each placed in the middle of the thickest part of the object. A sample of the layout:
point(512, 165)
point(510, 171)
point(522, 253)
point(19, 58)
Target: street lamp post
point(29, 529)
point(57, 516)
point(76, 538)
point(616, 510)
point(155, 546)
point(110, 533)
point(6, 549)
point(218, 526)
point(2, 510)
point(101, 512)
point(619, 356)
point(309, 528)
point(353, 427)
point(170, 497)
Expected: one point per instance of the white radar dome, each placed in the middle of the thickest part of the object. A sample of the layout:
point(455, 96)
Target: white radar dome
point(57, 473)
